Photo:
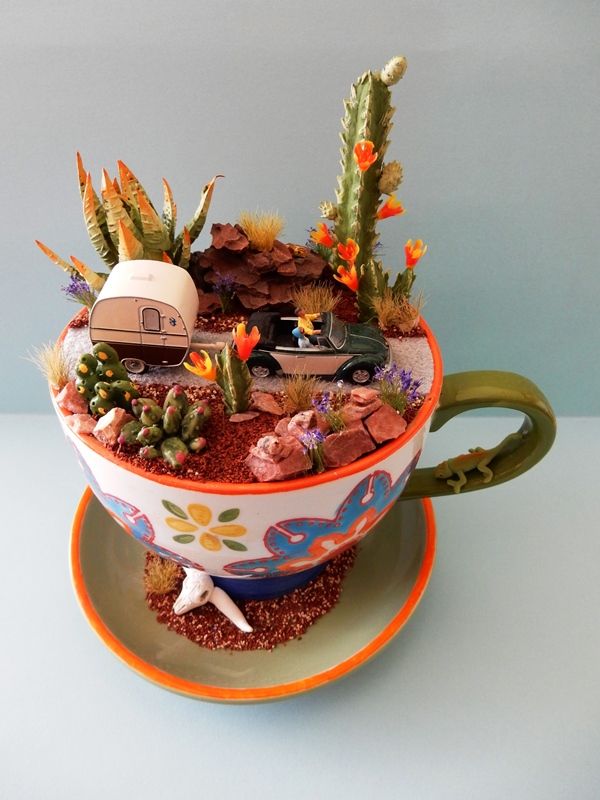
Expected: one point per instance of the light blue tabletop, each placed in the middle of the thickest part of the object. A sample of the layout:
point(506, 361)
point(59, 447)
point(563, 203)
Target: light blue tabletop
point(491, 691)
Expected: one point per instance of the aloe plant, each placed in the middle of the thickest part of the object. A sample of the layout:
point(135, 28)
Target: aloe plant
point(124, 225)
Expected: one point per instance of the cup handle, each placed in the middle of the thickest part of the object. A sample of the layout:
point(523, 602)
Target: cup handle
point(479, 468)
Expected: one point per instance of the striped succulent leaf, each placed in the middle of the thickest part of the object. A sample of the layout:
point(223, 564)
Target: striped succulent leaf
point(169, 210)
point(130, 247)
point(100, 238)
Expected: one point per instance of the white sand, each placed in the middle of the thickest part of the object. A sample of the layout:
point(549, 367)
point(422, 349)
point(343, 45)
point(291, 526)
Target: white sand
point(411, 353)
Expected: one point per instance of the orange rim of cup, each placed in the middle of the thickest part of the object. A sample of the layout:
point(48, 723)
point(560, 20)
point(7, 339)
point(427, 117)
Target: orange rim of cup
point(260, 693)
point(371, 459)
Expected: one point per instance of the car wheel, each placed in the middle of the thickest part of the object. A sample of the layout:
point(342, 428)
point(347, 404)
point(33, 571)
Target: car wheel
point(260, 371)
point(134, 365)
point(361, 375)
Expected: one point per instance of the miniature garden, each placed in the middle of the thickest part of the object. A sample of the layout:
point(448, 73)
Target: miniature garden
point(321, 380)
point(251, 360)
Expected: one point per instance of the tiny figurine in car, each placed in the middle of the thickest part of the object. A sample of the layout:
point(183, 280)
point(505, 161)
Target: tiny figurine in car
point(336, 349)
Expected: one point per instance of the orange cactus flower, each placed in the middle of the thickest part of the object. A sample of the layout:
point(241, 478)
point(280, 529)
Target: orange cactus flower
point(364, 155)
point(244, 342)
point(348, 251)
point(323, 236)
point(203, 366)
point(391, 208)
point(349, 277)
point(414, 252)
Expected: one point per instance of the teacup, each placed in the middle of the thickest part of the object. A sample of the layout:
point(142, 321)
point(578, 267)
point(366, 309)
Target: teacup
point(264, 539)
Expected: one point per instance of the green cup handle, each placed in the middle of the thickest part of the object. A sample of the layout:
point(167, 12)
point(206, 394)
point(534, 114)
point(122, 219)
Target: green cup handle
point(478, 468)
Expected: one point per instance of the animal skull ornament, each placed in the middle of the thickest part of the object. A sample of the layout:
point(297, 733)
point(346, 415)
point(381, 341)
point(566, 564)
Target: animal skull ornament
point(198, 588)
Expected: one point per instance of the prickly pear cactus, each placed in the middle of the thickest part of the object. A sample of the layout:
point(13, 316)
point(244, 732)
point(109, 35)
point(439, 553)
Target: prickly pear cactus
point(233, 376)
point(368, 117)
point(169, 431)
point(103, 380)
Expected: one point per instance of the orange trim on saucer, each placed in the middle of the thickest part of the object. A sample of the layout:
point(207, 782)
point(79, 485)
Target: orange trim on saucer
point(370, 460)
point(223, 694)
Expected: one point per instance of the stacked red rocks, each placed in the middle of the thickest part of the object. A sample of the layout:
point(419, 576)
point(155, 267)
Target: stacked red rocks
point(259, 278)
point(369, 422)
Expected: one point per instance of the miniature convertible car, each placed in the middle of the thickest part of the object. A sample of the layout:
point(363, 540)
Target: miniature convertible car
point(337, 350)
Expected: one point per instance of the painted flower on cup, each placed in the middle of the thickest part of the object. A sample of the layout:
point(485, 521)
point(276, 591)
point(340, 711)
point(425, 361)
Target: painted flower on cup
point(414, 252)
point(197, 522)
point(323, 236)
point(391, 208)
point(364, 155)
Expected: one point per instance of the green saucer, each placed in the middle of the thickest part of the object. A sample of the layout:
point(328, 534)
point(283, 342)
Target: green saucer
point(382, 590)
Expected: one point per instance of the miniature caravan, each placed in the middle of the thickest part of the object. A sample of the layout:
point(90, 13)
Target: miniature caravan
point(146, 310)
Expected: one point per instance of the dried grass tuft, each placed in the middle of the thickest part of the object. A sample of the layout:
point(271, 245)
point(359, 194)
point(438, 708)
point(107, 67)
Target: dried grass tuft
point(52, 362)
point(397, 312)
point(315, 298)
point(161, 575)
point(299, 390)
point(261, 227)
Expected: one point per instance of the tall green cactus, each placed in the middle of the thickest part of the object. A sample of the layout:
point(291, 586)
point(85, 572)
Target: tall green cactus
point(368, 117)
point(233, 376)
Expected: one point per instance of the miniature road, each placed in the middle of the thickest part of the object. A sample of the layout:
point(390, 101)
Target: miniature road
point(410, 353)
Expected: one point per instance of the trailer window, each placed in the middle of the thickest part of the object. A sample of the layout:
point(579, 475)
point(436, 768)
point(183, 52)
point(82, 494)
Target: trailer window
point(151, 319)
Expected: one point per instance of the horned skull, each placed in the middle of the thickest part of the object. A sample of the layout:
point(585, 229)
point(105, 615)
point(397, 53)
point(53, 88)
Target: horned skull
point(198, 588)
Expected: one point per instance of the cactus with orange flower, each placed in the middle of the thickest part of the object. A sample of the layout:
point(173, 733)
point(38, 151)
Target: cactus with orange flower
point(124, 225)
point(233, 375)
point(229, 368)
point(366, 126)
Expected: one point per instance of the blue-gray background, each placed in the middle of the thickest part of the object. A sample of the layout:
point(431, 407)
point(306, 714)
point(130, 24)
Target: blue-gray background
point(496, 124)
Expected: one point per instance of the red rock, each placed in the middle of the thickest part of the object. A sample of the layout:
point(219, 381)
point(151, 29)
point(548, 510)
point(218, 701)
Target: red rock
point(243, 416)
point(351, 412)
point(301, 422)
point(81, 423)
point(229, 237)
point(291, 466)
point(385, 424)
point(263, 401)
point(69, 399)
point(109, 426)
point(258, 261)
point(281, 428)
point(207, 301)
point(363, 396)
point(345, 447)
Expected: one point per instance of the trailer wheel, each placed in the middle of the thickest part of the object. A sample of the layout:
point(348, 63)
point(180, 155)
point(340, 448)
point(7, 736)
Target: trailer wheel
point(134, 365)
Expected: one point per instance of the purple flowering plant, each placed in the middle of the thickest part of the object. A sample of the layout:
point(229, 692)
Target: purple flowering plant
point(78, 290)
point(329, 405)
point(313, 439)
point(397, 387)
point(224, 287)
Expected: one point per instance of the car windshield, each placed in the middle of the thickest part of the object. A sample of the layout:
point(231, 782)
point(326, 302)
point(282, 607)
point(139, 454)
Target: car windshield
point(337, 333)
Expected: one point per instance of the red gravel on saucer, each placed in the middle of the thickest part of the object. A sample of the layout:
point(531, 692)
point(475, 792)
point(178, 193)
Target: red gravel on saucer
point(274, 621)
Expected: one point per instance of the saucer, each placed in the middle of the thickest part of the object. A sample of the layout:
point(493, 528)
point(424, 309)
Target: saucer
point(380, 593)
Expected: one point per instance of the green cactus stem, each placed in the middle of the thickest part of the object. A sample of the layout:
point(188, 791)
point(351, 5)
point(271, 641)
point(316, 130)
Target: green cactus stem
point(171, 420)
point(197, 444)
point(194, 421)
point(149, 452)
point(109, 364)
point(149, 435)
point(233, 376)
point(174, 452)
point(129, 432)
point(373, 281)
point(176, 397)
point(368, 117)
